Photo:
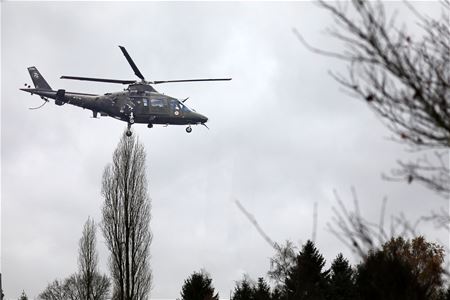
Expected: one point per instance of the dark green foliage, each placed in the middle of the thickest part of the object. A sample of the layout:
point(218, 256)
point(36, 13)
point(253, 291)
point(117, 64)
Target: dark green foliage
point(402, 269)
point(243, 290)
point(389, 278)
point(262, 290)
point(277, 294)
point(198, 287)
point(306, 280)
point(341, 284)
point(246, 290)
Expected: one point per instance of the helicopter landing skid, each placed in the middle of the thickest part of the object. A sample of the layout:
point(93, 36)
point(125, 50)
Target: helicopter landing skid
point(129, 132)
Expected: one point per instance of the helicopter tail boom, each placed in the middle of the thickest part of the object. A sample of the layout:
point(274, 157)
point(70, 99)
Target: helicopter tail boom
point(38, 81)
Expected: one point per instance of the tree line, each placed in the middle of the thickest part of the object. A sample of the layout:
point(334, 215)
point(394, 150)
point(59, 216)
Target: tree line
point(400, 269)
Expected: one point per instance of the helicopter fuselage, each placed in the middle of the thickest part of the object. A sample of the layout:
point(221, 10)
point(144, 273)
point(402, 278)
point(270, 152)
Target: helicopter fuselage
point(136, 104)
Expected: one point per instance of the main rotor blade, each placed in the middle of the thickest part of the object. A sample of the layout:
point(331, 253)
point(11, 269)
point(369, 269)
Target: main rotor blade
point(131, 62)
point(99, 79)
point(189, 80)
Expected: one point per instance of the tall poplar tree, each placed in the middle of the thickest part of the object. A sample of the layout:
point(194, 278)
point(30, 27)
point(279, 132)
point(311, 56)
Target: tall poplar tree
point(126, 220)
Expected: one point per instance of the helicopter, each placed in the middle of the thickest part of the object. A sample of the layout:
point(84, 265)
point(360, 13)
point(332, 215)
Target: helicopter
point(138, 103)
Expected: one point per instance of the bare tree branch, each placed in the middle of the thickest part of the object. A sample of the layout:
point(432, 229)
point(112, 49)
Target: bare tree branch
point(404, 78)
point(252, 220)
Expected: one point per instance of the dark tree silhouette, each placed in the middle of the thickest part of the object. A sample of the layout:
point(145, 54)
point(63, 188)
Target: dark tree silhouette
point(424, 258)
point(385, 277)
point(126, 218)
point(243, 290)
point(277, 294)
point(403, 77)
point(402, 270)
point(198, 287)
point(341, 285)
point(306, 280)
point(23, 296)
point(261, 291)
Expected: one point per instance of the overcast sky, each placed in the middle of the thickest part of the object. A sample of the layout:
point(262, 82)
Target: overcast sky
point(283, 136)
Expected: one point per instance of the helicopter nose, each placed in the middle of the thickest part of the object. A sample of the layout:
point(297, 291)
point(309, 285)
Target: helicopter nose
point(203, 119)
point(200, 118)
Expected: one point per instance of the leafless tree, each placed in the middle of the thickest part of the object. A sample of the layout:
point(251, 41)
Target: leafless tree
point(87, 258)
point(55, 291)
point(101, 285)
point(126, 218)
point(89, 283)
point(69, 289)
point(362, 235)
point(282, 262)
point(403, 77)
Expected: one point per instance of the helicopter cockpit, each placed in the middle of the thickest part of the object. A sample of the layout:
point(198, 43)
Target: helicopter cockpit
point(178, 106)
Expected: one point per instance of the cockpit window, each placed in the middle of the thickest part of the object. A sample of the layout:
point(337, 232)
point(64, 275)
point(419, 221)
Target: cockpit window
point(174, 104)
point(157, 103)
point(177, 105)
point(184, 108)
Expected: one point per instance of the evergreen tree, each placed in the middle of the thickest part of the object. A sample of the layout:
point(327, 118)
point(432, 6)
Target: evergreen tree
point(277, 294)
point(23, 296)
point(262, 290)
point(198, 287)
point(341, 284)
point(306, 280)
point(244, 290)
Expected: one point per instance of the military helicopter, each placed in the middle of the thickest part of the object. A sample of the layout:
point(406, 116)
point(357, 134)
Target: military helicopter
point(138, 103)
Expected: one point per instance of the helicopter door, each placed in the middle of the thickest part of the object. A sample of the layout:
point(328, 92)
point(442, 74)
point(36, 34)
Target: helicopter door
point(141, 105)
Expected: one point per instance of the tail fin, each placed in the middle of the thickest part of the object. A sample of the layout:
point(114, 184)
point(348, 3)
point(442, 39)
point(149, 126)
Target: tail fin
point(38, 80)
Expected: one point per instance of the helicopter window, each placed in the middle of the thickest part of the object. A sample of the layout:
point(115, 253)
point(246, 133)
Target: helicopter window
point(183, 107)
point(174, 105)
point(145, 102)
point(157, 102)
